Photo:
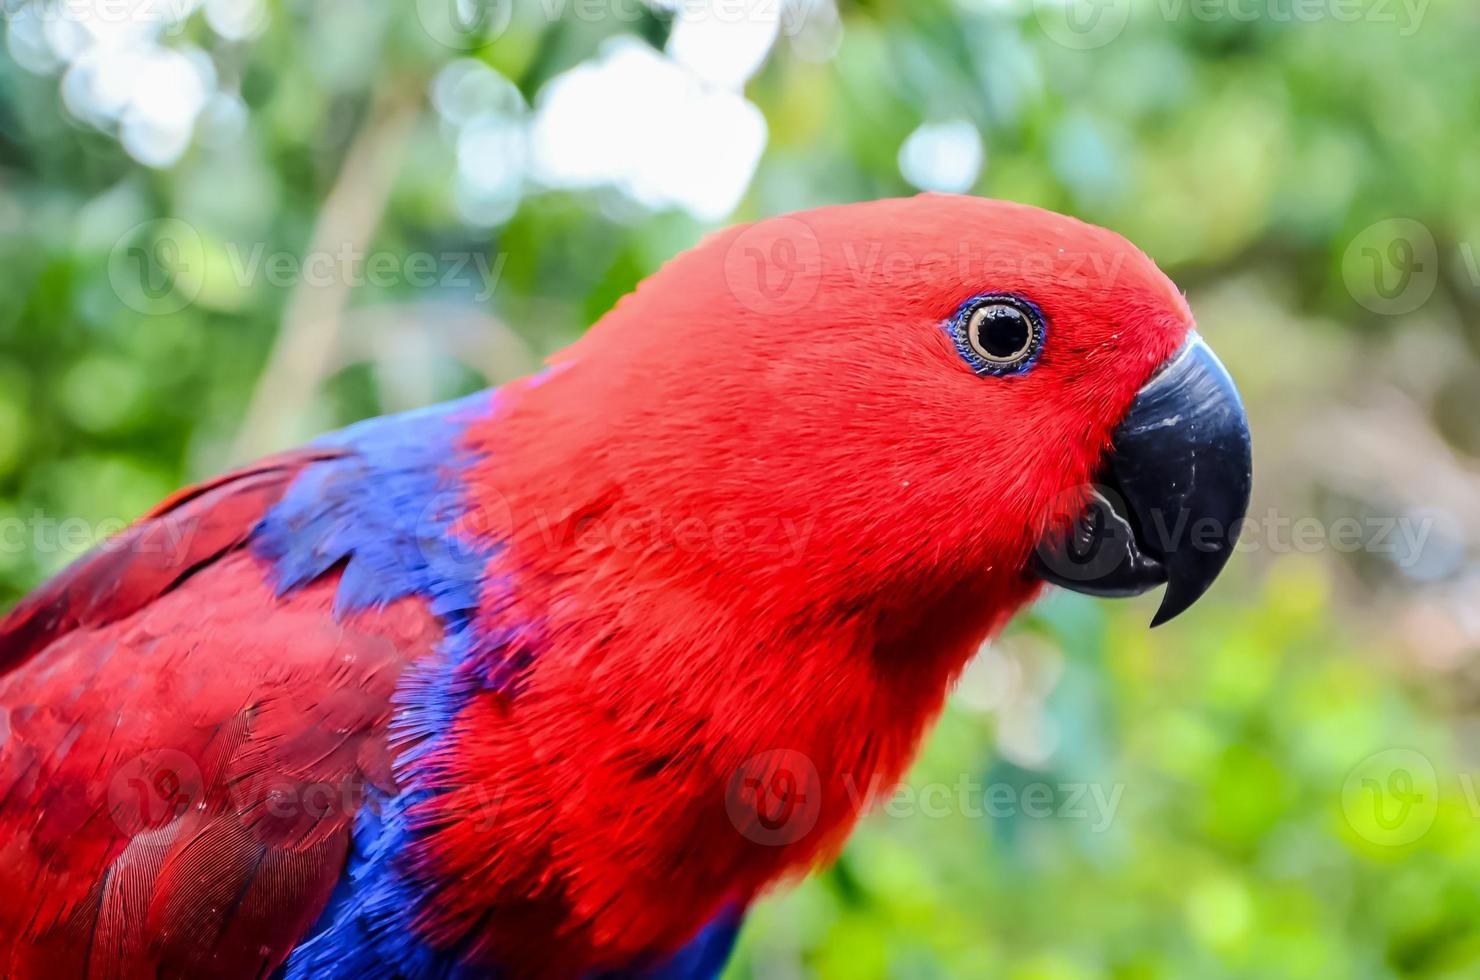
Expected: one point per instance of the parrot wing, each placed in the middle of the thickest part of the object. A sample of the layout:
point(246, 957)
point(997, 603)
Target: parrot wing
point(186, 531)
point(184, 745)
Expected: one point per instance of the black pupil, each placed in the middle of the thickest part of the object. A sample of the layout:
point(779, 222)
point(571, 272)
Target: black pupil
point(1003, 332)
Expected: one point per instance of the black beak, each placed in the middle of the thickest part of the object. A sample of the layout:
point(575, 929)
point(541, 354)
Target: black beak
point(1172, 496)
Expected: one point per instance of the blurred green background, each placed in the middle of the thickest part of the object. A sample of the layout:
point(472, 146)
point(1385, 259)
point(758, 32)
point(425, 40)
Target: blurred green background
point(227, 226)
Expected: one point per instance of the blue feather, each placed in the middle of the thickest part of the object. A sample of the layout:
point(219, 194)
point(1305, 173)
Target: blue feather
point(384, 515)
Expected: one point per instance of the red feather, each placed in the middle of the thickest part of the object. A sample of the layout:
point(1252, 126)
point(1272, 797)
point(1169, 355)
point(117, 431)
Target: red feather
point(178, 767)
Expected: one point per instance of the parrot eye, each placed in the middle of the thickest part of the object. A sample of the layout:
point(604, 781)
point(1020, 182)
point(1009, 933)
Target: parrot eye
point(999, 334)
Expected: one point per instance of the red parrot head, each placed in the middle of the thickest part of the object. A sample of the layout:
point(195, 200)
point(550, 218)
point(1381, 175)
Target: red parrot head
point(877, 401)
point(763, 512)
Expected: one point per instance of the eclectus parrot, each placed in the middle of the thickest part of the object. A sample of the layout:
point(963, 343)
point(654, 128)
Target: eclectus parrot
point(554, 680)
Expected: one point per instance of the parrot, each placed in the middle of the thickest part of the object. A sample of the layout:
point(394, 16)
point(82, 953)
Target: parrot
point(559, 678)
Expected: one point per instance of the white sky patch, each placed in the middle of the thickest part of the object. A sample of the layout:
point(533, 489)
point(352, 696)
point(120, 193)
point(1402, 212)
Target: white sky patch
point(492, 160)
point(467, 89)
point(489, 125)
point(813, 28)
point(236, 20)
point(491, 153)
point(120, 75)
point(638, 120)
point(724, 42)
point(100, 84)
point(944, 156)
point(171, 89)
point(114, 23)
point(153, 94)
point(222, 121)
point(26, 41)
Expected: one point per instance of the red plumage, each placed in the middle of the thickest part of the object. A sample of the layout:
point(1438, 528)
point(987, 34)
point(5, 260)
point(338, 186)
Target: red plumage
point(155, 756)
point(915, 492)
point(731, 534)
point(187, 530)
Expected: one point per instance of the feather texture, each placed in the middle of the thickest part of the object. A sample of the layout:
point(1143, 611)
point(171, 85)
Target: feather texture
point(553, 681)
point(179, 768)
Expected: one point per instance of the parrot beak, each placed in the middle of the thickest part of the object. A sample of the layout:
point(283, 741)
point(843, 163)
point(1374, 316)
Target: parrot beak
point(1171, 498)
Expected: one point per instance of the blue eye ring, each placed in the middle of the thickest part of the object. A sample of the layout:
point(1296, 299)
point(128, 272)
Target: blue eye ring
point(998, 333)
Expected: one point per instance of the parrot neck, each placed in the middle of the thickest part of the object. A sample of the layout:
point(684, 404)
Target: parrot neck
point(677, 731)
